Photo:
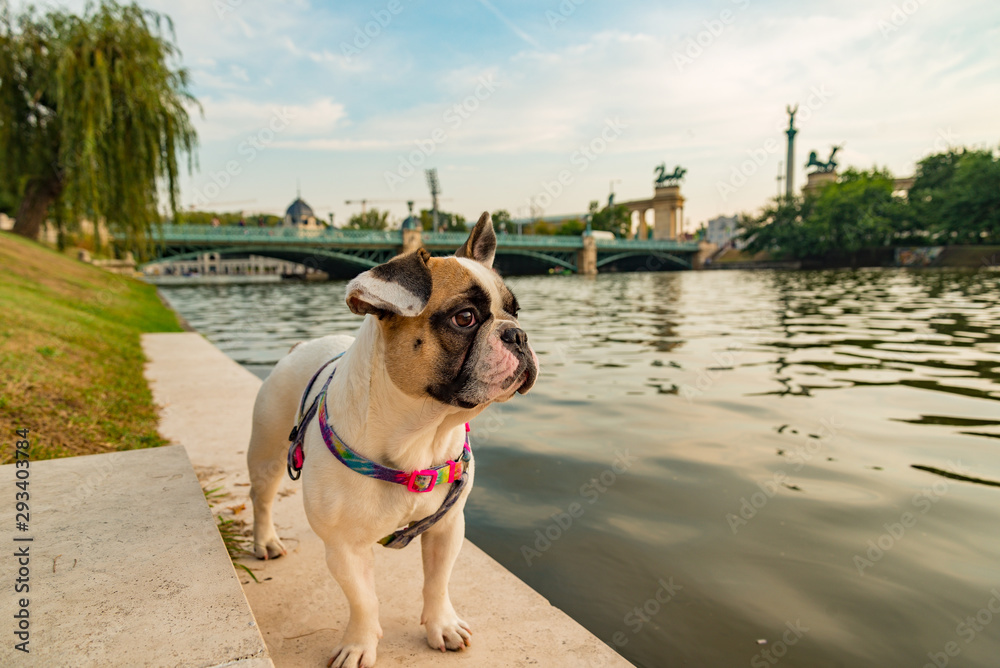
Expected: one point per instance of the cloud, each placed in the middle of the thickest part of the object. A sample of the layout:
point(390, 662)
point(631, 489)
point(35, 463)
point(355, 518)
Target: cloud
point(891, 93)
point(234, 117)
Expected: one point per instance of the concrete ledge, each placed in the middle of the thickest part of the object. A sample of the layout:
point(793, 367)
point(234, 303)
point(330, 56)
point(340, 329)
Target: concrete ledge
point(207, 402)
point(127, 568)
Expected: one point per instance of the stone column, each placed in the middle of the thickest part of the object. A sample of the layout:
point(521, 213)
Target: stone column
point(412, 240)
point(816, 181)
point(667, 205)
point(586, 258)
point(643, 227)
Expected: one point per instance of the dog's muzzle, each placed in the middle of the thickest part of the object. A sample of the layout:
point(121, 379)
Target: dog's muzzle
point(516, 340)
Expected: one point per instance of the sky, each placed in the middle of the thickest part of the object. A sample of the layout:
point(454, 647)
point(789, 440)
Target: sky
point(543, 106)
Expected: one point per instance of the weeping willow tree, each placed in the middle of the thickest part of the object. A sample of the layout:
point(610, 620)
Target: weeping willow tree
point(93, 117)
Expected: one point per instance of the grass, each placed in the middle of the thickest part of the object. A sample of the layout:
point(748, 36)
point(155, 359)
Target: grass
point(71, 364)
point(233, 531)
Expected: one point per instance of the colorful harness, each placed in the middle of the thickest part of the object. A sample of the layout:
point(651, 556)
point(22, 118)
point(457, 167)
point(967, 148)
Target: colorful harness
point(419, 481)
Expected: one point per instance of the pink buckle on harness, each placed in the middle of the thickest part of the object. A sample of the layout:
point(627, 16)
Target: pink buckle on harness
point(454, 471)
point(413, 486)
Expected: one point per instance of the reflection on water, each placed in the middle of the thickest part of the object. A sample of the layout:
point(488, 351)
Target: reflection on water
point(714, 459)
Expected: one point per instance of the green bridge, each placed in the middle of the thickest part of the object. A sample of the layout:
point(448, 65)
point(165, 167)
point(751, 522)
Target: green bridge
point(345, 253)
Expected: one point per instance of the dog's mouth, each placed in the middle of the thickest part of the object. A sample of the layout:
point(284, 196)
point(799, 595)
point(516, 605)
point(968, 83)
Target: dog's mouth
point(524, 377)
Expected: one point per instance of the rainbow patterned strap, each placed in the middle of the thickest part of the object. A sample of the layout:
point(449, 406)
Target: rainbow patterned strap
point(419, 481)
point(453, 472)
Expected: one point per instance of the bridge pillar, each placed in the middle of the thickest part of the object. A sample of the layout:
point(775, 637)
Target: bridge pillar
point(412, 240)
point(586, 258)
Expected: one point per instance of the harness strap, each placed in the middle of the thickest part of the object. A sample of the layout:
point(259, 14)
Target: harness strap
point(296, 455)
point(402, 537)
point(421, 480)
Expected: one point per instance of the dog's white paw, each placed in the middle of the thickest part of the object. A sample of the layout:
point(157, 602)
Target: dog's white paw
point(270, 548)
point(447, 631)
point(354, 655)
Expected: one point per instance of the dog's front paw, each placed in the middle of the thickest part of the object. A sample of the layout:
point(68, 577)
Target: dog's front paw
point(447, 631)
point(354, 654)
point(270, 548)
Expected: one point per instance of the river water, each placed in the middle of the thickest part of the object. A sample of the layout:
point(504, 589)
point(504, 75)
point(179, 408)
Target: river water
point(731, 468)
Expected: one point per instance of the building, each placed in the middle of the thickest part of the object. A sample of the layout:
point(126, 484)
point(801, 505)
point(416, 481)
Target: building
point(722, 230)
point(300, 215)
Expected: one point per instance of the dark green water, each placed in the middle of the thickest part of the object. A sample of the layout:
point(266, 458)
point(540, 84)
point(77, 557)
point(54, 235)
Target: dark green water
point(714, 459)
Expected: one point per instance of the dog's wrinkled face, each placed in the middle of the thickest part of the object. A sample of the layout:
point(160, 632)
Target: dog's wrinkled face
point(450, 324)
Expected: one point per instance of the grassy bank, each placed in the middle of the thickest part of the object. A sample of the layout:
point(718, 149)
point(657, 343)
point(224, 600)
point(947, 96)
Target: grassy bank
point(70, 358)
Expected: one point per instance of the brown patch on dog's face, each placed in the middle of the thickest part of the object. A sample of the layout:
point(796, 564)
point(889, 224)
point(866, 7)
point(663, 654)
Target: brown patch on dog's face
point(465, 348)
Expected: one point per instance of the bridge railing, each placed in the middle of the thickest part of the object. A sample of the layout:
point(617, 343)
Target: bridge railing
point(456, 239)
point(646, 245)
point(450, 240)
point(200, 233)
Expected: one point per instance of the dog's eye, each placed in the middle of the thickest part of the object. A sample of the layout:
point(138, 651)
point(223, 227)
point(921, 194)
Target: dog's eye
point(464, 319)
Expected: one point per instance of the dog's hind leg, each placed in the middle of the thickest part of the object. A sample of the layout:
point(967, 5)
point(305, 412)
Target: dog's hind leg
point(440, 546)
point(266, 462)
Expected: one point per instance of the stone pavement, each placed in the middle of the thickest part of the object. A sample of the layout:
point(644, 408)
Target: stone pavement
point(125, 567)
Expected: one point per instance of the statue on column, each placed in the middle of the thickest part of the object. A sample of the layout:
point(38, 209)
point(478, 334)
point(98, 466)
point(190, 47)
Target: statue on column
point(824, 167)
point(663, 179)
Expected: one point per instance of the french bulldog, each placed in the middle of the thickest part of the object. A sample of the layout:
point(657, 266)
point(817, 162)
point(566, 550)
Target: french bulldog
point(440, 341)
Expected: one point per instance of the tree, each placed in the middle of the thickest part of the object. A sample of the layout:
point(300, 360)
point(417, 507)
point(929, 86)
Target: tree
point(92, 118)
point(856, 212)
point(779, 229)
point(955, 196)
point(571, 227)
point(229, 218)
point(615, 218)
point(447, 222)
point(372, 219)
point(971, 211)
point(502, 221)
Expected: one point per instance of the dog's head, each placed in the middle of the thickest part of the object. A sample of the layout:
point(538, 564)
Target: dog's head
point(450, 324)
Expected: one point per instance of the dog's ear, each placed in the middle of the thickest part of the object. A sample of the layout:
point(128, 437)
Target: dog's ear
point(401, 286)
point(481, 245)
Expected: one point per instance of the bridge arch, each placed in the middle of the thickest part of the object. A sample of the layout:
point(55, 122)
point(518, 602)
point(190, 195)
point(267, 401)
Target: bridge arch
point(671, 259)
point(345, 263)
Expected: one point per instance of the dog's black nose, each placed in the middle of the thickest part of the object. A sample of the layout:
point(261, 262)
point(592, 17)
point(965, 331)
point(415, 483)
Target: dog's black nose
point(514, 335)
